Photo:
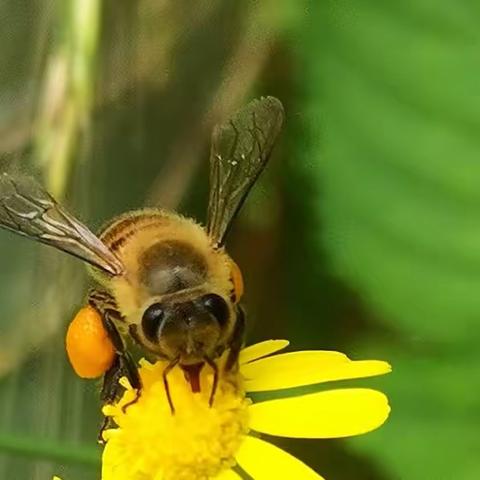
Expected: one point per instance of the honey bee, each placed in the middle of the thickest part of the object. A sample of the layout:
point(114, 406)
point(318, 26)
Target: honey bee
point(163, 281)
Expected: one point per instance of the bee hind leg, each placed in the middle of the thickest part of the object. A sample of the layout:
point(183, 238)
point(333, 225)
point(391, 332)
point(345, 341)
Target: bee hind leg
point(123, 365)
point(109, 394)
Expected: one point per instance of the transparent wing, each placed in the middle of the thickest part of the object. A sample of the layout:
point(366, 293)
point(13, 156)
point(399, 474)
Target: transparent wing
point(240, 150)
point(27, 209)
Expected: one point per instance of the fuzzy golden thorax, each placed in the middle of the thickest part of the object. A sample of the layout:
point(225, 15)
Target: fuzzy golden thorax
point(169, 260)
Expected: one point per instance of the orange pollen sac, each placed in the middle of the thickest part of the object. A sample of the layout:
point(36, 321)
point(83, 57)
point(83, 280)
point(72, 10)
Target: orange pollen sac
point(237, 280)
point(89, 347)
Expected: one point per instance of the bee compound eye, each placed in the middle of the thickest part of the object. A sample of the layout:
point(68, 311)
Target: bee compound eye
point(152, 320)
point(217, 306)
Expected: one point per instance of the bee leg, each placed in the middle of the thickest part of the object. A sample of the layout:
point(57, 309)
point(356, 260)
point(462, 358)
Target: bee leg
point(236, 342)
point(106, 424)
point(109, 394)
point(167, 370)
point(124, 364)
point(109, 391)
point(214, 367)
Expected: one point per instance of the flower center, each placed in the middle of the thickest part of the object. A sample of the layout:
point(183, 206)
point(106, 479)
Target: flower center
point(196, 442)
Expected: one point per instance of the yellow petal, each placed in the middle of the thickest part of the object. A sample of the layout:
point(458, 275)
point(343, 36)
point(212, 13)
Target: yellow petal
point(261, 349)
point(264, 461)
point(306, 368)
point(331, 414)
point(228, 475)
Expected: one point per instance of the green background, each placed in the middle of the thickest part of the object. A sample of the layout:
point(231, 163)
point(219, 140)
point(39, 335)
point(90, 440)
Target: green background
point(362, 236)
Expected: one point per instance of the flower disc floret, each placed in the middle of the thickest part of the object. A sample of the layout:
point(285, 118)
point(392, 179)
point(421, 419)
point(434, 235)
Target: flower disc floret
point(195, 443)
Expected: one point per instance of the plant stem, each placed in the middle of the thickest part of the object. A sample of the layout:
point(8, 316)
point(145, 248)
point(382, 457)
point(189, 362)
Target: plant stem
point(49, 450)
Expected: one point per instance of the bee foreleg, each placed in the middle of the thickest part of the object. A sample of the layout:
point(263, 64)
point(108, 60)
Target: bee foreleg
point(236, 341)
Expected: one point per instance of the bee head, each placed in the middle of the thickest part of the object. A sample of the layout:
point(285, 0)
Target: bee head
point(189, 330)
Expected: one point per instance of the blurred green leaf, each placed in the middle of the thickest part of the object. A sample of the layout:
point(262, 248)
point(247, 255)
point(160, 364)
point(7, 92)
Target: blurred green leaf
point(392, 98)
point(39, 448)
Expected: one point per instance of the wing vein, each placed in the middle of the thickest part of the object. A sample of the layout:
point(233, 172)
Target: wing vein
point(240, 150)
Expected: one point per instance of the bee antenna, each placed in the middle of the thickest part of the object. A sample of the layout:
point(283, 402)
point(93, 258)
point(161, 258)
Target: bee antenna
point(167, 370)
point(214, 367)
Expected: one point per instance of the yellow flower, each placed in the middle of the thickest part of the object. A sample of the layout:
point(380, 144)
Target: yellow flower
point(200, 442)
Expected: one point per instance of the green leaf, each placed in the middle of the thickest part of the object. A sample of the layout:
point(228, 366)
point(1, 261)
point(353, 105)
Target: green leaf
point(393, 108)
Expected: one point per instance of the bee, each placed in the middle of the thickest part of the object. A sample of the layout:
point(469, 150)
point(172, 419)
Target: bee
point(162, 281)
